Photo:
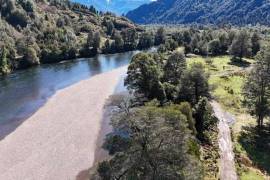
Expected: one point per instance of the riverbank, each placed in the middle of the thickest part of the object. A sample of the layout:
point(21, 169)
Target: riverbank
point(59, 140)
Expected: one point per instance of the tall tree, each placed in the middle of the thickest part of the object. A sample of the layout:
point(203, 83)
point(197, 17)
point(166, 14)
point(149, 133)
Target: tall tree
point(204, 118)
point(3, 61)
point(144, 77)
point(151, 143)
point(96, 41)
point(130, 39)
point(160, 36)
point(110, 27)
point(223, 38)
point(255, 43)
point(194, 84)
point(241, 45)
point(214, 47)
point(90, 37)
point(146, 40)
point(174, 68)
point(118, 42)
point(257, 87)
point(30, 57)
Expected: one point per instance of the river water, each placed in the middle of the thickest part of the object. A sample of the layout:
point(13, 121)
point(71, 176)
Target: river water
point(23, 92)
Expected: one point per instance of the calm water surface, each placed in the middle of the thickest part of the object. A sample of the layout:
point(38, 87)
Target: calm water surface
point(23, 92)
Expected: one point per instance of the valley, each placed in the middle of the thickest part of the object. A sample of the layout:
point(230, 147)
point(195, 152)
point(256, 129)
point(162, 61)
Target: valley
point(142, 90)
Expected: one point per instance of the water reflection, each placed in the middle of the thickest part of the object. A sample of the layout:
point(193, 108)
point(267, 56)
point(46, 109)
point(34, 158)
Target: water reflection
point(23, 92)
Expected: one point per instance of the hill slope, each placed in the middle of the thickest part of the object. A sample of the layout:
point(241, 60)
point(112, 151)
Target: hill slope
point(238, 12)
point(116, 6)
point(35, 31)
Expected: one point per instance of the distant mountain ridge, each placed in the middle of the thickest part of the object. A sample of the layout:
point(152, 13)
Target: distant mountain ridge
point(117, 6)
point(237, 12)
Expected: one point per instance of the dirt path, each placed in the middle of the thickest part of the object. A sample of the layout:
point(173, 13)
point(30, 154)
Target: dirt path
point(227, 166)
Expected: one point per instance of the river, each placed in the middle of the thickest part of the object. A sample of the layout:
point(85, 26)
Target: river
point(23, 92)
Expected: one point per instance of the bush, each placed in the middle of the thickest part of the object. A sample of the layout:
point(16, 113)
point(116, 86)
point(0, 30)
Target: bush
point(30, 58)
point(18, 17)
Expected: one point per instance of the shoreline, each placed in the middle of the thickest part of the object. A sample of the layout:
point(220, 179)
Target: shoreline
point(65, 143)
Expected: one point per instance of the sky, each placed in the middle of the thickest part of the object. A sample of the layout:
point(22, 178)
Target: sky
point(117, 6)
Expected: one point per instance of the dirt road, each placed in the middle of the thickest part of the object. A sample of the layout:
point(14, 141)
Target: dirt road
point(227, 166)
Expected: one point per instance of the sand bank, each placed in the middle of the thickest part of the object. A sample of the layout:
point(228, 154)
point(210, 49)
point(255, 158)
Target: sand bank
point(59, 140)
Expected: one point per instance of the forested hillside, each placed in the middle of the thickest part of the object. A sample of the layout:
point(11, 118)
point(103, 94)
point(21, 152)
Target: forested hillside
point(41, 31)
point(237, 12)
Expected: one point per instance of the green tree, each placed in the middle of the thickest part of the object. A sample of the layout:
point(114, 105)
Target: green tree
point(144, 151)
point(214, 47)
point(205, 120)
point(4, 67)
point(143, 77)
point(255, 43)
point(174, 68)
point(30, 57)
point(194, 84)
point(186, 109)
point(118, 42)
point(110, 27)
point(224, 42)
point(130, 39)
point(90, 38)
point(257, 87)
point(107, 46)
point(160, 36)
point(96, 41)
point(146, 40)
point(241, 45)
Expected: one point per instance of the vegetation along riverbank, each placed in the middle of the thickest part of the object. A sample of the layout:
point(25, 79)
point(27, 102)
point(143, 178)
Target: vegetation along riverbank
point(35, 32)
point(170, 95)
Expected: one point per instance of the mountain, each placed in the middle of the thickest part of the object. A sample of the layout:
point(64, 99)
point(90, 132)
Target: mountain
point(117, 6)
point(237, 12)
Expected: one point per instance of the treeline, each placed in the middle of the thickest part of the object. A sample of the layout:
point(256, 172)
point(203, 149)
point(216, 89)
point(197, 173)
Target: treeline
point(211, 41)
point(34, 32)
point(158, 132)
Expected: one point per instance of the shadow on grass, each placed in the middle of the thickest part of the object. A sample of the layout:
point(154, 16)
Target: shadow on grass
point(240, 63)
point(257, 145)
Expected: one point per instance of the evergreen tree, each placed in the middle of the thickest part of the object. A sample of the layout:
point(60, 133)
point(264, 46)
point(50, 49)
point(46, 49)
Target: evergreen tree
point(174, 68)
point(194, 84)
point(257, 87)
point(241, 45)
point(160, 36)
point(4, 68)
point(255, 43)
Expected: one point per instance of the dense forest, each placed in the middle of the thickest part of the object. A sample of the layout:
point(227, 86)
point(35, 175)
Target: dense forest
point(34, 32)
point(166, 127)
point(236, 12)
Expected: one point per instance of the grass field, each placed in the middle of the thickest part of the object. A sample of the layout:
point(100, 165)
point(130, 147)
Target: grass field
point(226, 80)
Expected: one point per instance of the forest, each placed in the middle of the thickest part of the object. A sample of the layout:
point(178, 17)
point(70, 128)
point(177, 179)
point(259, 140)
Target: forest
point(170, 96)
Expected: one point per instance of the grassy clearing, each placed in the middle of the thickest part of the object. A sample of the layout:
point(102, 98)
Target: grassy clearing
point(251, 175)
point(226, 81)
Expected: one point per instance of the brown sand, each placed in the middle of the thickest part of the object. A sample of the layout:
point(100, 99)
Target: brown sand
point(59, 140)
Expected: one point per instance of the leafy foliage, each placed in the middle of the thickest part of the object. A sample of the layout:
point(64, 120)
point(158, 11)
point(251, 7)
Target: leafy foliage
point(257, 87)
point(144, 150)
point(58, 30)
